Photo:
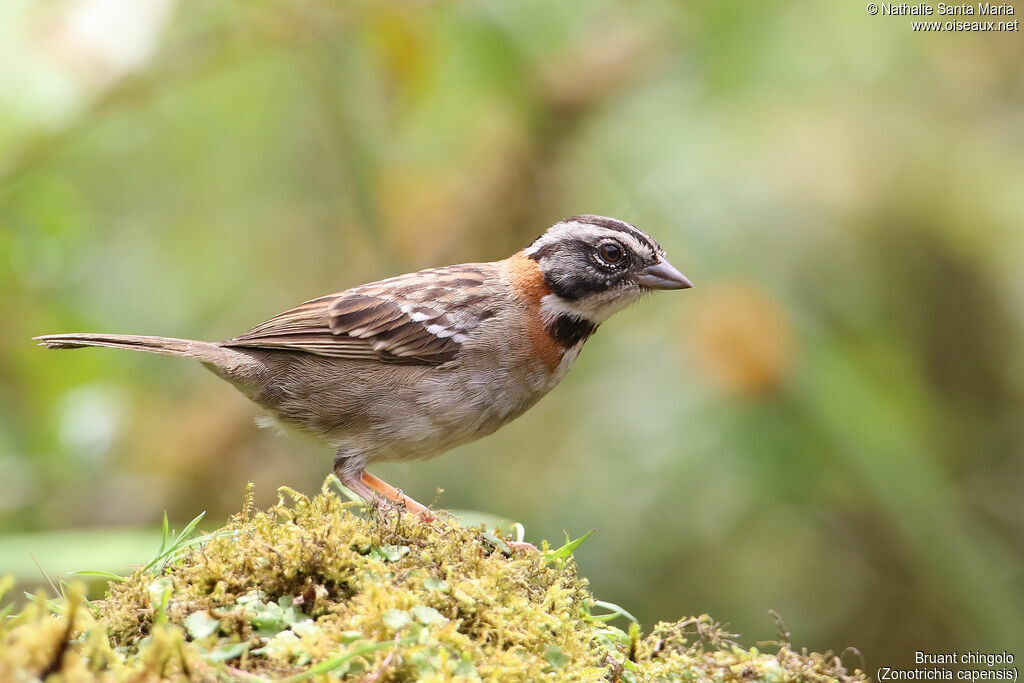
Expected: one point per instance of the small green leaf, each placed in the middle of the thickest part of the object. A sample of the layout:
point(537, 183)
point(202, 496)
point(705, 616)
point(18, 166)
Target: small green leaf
point(615, 636)
point(432, 584)
point(465, 667)
point(556, 658)
point(251, 597)
point(268, 624)
point(498, 543)
point(568, 549)
point(427, 615)
point(290, 613)
point(396, 618)
point(305, 627)
point(200, 624)
point(227, 652)
point(390, 553)
point(268, 618)
point(423, 660)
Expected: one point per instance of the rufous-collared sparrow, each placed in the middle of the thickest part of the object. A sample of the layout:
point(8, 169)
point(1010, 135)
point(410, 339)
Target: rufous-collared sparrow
point(412, 366)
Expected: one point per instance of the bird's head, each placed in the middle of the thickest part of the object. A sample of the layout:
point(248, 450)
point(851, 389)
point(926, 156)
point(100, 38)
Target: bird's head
point(594, 266)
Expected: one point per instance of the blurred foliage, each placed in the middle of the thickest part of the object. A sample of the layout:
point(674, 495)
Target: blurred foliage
point(829, 425)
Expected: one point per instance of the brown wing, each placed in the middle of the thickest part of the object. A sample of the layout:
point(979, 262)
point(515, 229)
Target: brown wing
point(419, 318)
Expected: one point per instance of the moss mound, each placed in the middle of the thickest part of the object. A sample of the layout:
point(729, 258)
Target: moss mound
point(316, 589)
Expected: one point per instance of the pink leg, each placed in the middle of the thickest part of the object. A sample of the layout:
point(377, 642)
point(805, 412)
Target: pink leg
point(367, 485)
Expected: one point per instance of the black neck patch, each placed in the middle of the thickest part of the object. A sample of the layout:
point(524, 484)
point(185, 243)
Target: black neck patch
point(568, 330)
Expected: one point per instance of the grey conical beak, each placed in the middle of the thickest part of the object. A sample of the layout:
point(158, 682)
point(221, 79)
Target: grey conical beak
point(662, 275)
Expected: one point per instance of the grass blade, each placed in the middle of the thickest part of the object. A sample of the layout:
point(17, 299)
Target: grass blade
point(334, 662)
point(566, 550)
point(164, 536)
point(180, 543)
point(110, 576)
point(615, 610)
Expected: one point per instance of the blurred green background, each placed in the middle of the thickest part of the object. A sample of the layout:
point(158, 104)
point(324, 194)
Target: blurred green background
point(829, 425)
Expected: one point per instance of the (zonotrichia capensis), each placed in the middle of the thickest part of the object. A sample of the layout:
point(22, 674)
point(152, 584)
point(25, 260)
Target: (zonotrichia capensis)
point(412, 366)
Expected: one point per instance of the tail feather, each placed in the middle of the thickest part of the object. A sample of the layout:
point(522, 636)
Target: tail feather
point(187, 348)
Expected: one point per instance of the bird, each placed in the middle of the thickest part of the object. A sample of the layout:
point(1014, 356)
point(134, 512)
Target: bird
point(412, 366)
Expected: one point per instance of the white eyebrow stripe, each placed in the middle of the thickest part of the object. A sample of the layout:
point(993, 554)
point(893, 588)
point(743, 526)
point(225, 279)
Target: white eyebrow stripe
point(589, 232)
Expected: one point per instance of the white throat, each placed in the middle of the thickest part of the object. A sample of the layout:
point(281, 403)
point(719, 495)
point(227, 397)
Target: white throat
point(594, 308)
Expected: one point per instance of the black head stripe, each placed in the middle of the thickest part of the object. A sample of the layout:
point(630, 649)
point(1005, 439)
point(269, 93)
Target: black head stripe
point(616, 225)
point(544, 251)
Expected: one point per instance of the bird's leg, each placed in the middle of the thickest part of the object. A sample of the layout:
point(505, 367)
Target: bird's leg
point(366, 486)
point(378, 485)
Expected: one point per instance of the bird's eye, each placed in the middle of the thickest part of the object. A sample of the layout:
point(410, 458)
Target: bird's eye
point(610, 253)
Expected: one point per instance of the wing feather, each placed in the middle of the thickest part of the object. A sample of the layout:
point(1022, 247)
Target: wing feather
point(421, 318)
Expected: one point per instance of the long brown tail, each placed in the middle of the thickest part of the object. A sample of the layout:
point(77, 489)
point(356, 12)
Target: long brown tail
point(188, 348)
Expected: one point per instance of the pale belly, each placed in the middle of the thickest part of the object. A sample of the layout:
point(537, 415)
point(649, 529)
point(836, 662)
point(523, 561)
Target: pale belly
point(376, 412)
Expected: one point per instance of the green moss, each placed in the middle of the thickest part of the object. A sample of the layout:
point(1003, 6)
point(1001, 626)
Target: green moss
point(316, 589)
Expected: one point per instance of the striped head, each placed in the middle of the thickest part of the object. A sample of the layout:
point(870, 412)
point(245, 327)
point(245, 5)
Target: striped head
point(594, 266)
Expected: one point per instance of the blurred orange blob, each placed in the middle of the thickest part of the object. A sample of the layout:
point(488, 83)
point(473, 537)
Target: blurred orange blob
point(742, 339)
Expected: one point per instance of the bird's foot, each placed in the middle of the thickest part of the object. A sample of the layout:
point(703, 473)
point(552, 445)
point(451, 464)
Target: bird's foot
point(376, 491)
